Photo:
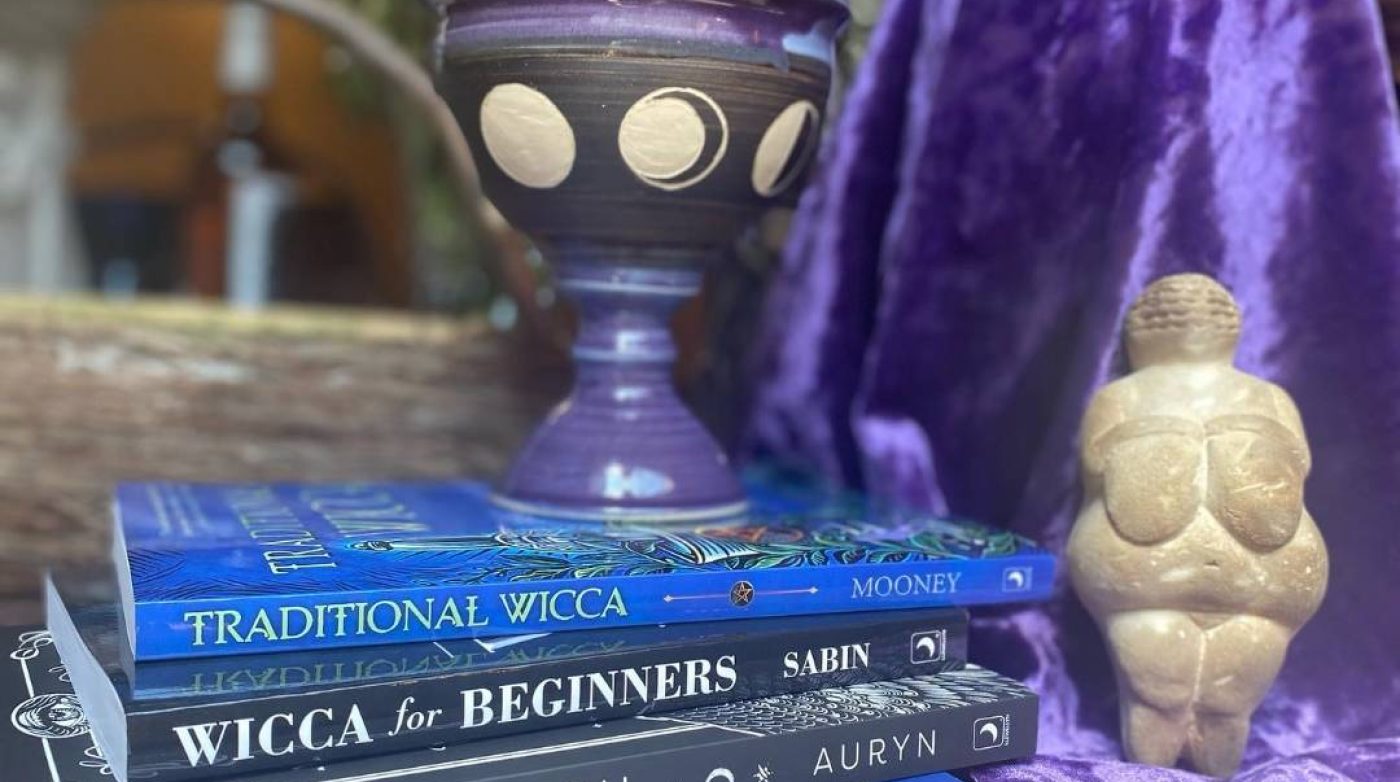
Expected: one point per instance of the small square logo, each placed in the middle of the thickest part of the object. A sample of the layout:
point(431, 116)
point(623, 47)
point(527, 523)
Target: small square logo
point(929, 647)
point(991, 732)
point(1016, 579)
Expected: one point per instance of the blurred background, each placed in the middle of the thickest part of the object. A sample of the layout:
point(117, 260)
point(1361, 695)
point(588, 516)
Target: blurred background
point(228, 152)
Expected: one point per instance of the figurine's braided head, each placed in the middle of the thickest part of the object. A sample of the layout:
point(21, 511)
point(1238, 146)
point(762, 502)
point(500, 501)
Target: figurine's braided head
point(1182, 318)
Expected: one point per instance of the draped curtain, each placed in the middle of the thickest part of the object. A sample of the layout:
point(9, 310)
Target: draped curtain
point(1006, 176)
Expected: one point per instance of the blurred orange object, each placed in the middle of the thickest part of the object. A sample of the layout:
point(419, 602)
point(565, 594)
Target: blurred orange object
point(146, 101)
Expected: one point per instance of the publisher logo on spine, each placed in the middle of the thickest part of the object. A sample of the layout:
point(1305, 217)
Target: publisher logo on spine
point(929, 647)
point(991, 732)
point(1016, 579)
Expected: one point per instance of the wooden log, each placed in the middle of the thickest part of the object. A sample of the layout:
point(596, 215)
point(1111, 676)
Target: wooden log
point(94, 393)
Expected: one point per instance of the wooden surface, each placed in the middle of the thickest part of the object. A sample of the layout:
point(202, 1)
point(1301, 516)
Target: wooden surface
point(94, 393)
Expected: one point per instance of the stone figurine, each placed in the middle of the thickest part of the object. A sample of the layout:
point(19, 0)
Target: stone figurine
point(1193, 549)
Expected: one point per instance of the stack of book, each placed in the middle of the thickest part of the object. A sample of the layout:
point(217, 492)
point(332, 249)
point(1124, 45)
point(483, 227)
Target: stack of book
point(369, 632)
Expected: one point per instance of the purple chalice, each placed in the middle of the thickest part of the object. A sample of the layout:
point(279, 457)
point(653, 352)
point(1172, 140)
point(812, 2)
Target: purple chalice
point(632, 140)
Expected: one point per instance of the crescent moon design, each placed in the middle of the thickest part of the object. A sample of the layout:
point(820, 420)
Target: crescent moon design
point(527, 136)
point(785, 148)
point(673, 138)
point(991, 731)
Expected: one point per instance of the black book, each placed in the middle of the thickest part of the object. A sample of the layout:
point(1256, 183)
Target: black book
point(201, 718)
point(871, 732)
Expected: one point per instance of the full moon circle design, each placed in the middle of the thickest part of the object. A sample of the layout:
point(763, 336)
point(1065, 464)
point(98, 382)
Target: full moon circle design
point(785, 147)
point(673, 138)
point(527, 136)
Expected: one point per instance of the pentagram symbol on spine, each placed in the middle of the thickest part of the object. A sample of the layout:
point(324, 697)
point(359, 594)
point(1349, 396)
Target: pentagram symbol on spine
point(741, 594)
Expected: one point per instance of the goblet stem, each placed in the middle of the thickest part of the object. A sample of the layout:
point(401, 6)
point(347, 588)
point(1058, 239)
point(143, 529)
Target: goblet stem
point(623, 445)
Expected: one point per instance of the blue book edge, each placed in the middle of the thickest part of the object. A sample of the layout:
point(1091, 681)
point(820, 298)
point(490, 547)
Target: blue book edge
point(719, 582)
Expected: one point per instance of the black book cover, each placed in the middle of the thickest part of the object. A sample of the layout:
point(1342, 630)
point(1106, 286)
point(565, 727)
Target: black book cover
point(871, 732)
point(203, 718)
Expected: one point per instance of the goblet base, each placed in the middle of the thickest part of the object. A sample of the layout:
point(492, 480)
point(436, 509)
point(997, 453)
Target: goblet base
point(623, 514)
point(623, 446)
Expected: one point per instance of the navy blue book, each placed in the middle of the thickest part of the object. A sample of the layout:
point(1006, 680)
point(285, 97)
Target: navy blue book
point(229, 569)
point(872, 732)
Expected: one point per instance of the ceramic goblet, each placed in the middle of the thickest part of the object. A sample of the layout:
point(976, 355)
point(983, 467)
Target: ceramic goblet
point(632, 140)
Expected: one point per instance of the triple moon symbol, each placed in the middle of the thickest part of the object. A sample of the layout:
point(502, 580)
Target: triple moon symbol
point(673, 138)
point(785, 148)
point(527, 136)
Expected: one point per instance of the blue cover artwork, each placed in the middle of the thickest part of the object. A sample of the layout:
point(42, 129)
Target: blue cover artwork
point(215, 570)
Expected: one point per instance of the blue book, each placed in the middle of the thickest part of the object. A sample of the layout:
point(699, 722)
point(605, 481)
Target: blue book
point(210, 570)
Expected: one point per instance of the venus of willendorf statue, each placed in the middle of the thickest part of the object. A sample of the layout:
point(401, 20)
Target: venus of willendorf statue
point(1193, 549)
point(632, 141)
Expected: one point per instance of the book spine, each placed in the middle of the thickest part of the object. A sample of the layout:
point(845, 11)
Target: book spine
point(900, 747)
point(875, 751)
point(325, 725)
point(168, 630)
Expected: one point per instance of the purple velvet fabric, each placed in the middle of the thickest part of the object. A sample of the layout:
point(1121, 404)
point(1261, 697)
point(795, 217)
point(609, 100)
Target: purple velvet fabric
point(1358, 760)
point(1008, 174)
